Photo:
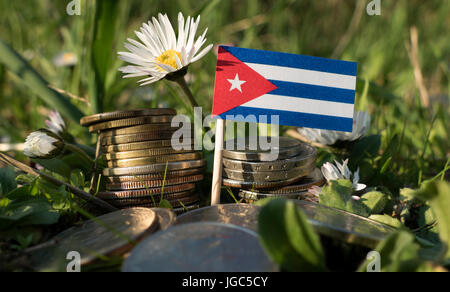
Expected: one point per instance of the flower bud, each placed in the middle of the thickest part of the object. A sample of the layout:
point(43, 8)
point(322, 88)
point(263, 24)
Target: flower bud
point(43, 144)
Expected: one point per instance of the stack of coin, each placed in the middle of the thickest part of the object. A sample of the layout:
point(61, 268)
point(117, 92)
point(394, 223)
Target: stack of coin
point(259, 176)
point(143, 167)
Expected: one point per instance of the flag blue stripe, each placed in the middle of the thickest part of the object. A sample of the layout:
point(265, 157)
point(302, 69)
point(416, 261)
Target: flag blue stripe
point(294, 119)
point(313, 92)
point(294, 61)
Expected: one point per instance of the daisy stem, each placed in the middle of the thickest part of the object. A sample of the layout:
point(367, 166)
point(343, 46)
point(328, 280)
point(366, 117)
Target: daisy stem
point(182, 82)
point(78, 150)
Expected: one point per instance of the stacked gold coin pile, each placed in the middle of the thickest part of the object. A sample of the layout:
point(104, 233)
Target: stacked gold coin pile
point(258, 175)
point(143, 167)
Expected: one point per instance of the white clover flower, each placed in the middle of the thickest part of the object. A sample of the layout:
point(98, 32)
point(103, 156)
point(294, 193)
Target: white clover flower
point(65, 59)
point(331, 172)
point(361, 125)
point(160, 53)
point(43, 144)
point(56, 123)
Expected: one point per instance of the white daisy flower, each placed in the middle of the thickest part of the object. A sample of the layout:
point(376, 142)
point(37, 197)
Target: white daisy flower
point(361, 125)
point(341, 171)
point(65, 59)
point(160, 54)
point(55, 123)
point(43, 144)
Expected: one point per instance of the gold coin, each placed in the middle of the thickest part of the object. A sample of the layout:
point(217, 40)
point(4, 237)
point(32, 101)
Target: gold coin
point(155, 159)
point(155, 176)
point(154, 198)
point(145, 192)
point(130, 122)
point(148, 203)
point(153, 183)
point(144, 153)
point(143, 145)
point(123, 139)
point(139, 129)
point(154, 168)
point(104, 117)
point(186, 208)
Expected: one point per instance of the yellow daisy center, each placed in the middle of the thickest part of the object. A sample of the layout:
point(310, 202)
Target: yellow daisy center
point(168, 58)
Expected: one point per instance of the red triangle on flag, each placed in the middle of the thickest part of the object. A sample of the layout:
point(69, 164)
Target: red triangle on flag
point(236, 83)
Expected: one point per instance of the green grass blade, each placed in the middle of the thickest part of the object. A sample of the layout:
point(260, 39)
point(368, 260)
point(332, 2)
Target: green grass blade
point(16, 64)
point(106, 15)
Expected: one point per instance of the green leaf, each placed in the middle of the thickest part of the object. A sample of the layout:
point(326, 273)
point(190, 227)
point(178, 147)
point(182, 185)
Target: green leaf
point(7, 180)
point(263, 202)
point(30, 212)
point(55, 165)
point(106, 15)
point(365, 147)
point(25, 178)
point(399, 253)
point(16, 64)
point(388, 220)
point(375, 202)
point(288, 237)
point(165, 204)
point(339, 195)
point(437, 193)
point(77, 178)
point(23, 193)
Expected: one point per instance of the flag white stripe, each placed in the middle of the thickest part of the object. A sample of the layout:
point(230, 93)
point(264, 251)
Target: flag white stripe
point(302, 105)
point(305, 76)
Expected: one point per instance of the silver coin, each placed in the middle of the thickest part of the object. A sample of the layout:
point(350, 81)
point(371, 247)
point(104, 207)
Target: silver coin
point(296, 162)
point(345, 226)
point(315, 178)
point(287, 148)
point(307, 156)
point(200, 247)
point(113, 232)
point(166, 218)
point(243, 215)
point(251, 185)
point(326, 221)
point(267, 176)
point(250, 196)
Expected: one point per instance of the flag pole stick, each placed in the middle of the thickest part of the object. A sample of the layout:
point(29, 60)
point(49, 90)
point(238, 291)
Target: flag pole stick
point(218, 163)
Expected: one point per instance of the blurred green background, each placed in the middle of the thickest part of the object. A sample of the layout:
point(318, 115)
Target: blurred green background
point(414, 135)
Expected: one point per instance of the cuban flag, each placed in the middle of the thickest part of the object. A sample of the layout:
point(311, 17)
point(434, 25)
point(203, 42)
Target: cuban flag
point(303, 91)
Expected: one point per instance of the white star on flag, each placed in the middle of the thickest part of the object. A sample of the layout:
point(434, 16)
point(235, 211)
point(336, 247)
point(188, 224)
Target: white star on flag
point(236, 83)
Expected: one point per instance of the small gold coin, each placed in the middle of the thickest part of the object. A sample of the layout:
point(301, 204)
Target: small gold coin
point(131, 122)
point(154, 176)
point(175, 203)
point(124, 139)
point(153, 201)
point(145, 192)
point(144, 153)
point(144, 145)
point(154, 168)
point(156, 159)
point(104, 117)
point(153, 183)
point(139, 129)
